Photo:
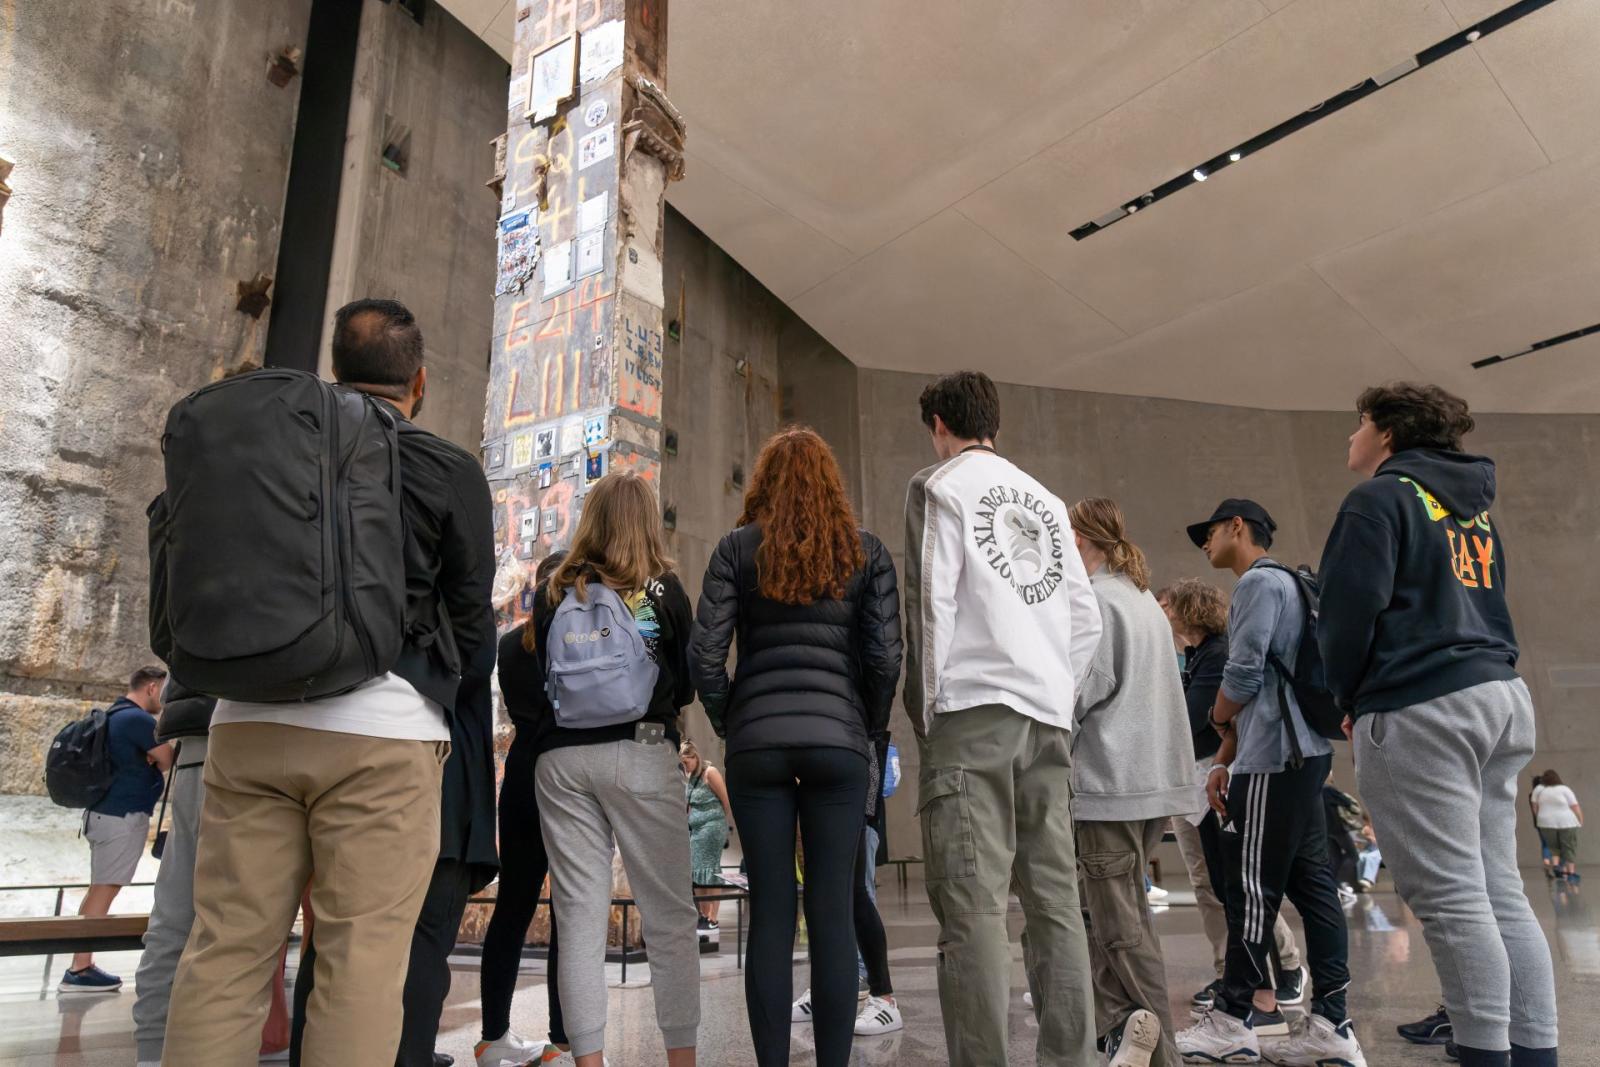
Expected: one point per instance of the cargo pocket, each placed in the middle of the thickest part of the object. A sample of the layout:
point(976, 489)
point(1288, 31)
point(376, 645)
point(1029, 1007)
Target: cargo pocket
point(947, 846)
point(1114, 896)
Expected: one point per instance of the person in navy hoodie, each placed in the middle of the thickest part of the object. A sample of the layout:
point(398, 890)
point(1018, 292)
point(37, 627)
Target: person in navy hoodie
point(1419, 650)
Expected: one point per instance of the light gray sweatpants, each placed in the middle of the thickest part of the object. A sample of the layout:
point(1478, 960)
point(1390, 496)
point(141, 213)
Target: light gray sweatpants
point(172, 913)
point(1440, 779)
point(587, 794)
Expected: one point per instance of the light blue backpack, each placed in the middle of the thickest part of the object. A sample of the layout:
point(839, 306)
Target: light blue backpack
point(600, 673)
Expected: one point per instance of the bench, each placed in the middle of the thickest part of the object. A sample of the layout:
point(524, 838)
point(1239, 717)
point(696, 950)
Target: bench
point(64, 934)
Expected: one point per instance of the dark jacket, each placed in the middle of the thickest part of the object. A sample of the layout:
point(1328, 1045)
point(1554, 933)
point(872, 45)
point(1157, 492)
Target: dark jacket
point(818, 675)
point(448, 654)
point(1202, 678)
point(1413, 582)
point(522, 673)
point(184, 712)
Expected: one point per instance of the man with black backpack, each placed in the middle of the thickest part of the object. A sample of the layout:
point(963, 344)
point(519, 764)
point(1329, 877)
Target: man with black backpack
point(324, 566)
point(117, 824)
point(1418, 646)
point(1270, 801)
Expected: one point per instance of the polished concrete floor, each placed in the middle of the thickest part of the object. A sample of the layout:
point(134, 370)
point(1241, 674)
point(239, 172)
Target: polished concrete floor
point(1394, 983)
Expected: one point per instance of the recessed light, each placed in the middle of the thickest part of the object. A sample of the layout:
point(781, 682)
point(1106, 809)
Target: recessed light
point(1199, 175)
point(1234, 157)
point(1473, 36)
point(1132, 208)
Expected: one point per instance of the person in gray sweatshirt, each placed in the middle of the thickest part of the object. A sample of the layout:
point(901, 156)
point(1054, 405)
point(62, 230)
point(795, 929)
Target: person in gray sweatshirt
point(1132, 767)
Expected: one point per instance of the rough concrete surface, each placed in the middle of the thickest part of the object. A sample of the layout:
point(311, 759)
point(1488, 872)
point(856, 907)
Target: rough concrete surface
point(151, 153)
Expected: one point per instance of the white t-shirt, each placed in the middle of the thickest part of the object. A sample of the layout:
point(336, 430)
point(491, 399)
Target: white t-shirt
point(1555, 803)
point(388, 706)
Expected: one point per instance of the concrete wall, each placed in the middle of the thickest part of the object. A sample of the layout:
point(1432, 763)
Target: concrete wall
point(151, 154)
point(425, 235)
point(720, 414)
point(1168, 463)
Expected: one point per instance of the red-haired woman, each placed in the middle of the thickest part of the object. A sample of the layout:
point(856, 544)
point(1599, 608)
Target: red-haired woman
point(817, 613)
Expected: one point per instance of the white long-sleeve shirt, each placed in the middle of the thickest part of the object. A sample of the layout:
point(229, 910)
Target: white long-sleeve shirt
point(999, 609)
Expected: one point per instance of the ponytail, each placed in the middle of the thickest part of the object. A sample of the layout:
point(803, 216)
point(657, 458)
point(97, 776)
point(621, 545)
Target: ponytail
point(1100, 521)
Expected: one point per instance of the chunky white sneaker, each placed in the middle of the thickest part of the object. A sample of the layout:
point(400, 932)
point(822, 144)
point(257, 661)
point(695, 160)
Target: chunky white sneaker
point(801, 1012)
point(1218, 1038)
point(1133, 1043)
point(1156, 895)
point(508, 1050)
point(1316, 1043)
point(880, 1016)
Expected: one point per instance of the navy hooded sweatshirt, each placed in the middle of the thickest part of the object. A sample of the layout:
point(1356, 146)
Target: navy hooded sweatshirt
point(1413, 577)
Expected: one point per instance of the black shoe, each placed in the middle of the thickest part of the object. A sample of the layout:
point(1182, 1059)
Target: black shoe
point(1268, 1023)
point(441, 1060)
point(1292, 989)
point(1434, 1030)
point(1206, 999)
point(702, 923)
point(1452, 1053)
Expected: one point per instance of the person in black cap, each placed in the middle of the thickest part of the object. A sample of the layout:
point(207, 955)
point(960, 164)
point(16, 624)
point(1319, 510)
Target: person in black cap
point(1276, 842)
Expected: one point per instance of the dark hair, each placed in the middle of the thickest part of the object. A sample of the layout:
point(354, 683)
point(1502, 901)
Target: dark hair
point(377, 343)
point(1260, 536)
point(1549, 778)
point(968, 403)
point(541, 577)
point(144, 676)
point(1416, 416)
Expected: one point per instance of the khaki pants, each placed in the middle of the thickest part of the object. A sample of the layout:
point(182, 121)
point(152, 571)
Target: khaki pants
point(1124, 949)
point(282, 802)
point(993, 796)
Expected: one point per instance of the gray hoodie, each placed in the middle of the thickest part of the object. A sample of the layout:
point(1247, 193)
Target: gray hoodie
point(1132, 756)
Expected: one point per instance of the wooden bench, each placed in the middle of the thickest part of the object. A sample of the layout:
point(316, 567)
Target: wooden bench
point(64, 934)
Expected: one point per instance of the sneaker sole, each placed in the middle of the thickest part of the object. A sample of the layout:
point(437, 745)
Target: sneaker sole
point(80, 991)
point(1242, 1056)
point(879, 1031)
point(1140, 1036)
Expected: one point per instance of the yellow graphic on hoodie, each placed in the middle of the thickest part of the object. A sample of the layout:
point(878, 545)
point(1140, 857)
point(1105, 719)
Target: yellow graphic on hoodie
point(1471, 556)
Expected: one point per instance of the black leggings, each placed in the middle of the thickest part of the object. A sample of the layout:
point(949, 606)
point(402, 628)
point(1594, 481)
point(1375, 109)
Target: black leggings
point(523, 866)
point(870, 938)
point(826, 788)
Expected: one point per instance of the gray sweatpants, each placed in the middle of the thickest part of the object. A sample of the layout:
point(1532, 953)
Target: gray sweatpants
point(172, 913)
point(587, 794)
point(1440, 779)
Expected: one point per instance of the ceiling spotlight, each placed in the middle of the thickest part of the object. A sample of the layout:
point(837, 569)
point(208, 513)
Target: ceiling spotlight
point(1473, 36)
point(1199, 175)
point(1132, 208)
point(1234, 157)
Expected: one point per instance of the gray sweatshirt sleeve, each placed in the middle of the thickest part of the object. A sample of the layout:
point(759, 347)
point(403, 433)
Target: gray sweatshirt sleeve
point(1258, 603)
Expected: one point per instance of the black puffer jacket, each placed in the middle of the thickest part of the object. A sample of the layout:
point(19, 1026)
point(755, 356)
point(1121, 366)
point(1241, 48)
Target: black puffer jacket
point(818, 675)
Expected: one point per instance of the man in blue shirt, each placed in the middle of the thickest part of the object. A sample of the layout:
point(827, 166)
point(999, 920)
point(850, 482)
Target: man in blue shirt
point(118, 825)
point(1275, 839)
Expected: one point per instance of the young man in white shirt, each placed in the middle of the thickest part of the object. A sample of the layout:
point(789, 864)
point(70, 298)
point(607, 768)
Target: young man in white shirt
point(1001, 625)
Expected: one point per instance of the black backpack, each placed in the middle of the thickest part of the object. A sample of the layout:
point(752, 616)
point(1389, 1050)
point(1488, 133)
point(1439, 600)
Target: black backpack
point(277, 566)
point(1317, 707)
point(77, 769)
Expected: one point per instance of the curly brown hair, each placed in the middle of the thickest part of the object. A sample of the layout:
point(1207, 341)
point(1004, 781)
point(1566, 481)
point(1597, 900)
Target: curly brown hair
point(1416, 415)
point(1198, 605)
point(809, 543)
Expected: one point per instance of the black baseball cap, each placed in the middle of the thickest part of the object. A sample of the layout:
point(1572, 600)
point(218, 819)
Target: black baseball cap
point(1230, 508)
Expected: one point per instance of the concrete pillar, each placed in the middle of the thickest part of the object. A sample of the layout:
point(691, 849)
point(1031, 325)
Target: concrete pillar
point(575, 363)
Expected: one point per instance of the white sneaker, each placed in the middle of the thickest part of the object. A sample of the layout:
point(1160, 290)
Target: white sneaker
point(1134, 1042)
point(509, 1050)
point(801, 1012)
point(1316, 1043)
point(1027, 998)
point(1218, 1038)
point(1156, 895)
point(880, 1016)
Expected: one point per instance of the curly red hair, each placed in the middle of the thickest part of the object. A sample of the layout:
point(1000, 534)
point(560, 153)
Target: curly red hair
point(809, 543)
